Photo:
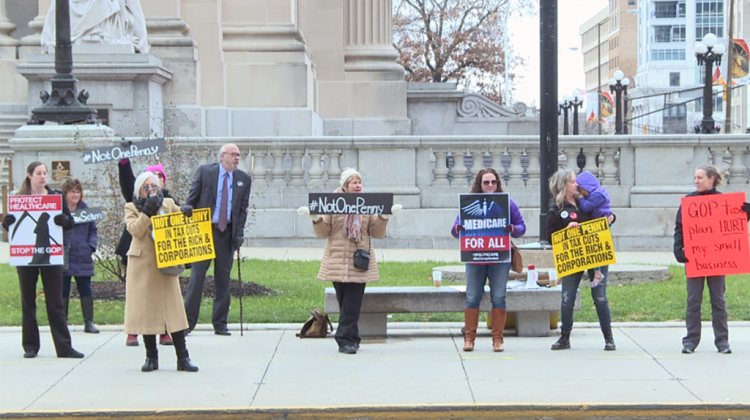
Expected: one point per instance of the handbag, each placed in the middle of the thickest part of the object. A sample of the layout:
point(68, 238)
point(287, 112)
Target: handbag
point(317, 326)
point(516, 260)
point(362, 257)
point(174, 270)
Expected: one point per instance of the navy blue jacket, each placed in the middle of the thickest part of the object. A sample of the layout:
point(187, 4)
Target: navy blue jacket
point(82, 240)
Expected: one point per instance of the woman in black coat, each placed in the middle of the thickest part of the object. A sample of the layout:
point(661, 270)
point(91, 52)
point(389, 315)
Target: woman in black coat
point(707, 178)
point(35, 183)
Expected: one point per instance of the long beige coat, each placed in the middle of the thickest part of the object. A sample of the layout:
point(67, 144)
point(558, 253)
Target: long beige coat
point(153, 302)
point(338, 256)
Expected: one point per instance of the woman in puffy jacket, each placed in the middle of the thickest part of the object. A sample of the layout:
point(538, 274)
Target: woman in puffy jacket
point(345, 234)
point(80, 243)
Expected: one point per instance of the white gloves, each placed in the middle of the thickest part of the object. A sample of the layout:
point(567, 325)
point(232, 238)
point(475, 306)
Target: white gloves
point(305, 211)
point(394, 209)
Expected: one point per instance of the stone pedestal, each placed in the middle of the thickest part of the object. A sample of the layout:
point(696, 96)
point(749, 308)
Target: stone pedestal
point(130, 86)
point(46, 143)
point(9, 93)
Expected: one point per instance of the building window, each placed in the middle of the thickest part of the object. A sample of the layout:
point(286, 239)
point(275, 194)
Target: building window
point(665, 9)
point(678, 33)
point(667, 55)
point(709, 18)
point(662, 33)
point(718, 104)
point(674, 79)
point(631, 2)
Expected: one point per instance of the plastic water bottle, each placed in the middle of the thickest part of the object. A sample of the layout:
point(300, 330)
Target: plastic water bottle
point(532, 277)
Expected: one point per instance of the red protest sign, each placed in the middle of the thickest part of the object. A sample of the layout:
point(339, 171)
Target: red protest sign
point(714, 230)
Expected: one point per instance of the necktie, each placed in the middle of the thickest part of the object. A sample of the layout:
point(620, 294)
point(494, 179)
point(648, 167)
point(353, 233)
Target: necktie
point(224, 204)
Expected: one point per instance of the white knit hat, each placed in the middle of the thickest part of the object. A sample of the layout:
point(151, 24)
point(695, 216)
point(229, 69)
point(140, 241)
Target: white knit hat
point(347, 175)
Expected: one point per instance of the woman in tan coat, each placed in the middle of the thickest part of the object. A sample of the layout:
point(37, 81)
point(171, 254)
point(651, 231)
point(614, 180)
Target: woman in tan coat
point(153, 300)
point(346, 234)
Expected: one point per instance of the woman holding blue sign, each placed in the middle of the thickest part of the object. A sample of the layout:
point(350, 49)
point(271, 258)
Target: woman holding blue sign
point(566, 212)
point(80, 245)
point(35, 183)
point(488, 181)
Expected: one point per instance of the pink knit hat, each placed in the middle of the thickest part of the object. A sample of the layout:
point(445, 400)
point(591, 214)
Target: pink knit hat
point(158, 168)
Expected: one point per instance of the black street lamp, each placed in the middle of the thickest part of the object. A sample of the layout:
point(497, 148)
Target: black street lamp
point(708, 53)
point(548, 124)
point(576, 104)
point(64, 104)
point(625, 113)
point(564, 105)
point(619, 85)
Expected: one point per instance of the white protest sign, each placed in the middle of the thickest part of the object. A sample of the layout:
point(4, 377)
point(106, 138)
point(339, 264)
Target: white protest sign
point(34, 238)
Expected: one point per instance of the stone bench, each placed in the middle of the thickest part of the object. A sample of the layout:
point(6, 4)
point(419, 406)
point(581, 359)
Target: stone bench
point(531, 307)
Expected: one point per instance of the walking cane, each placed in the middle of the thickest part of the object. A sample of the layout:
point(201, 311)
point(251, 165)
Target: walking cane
point(242, 289)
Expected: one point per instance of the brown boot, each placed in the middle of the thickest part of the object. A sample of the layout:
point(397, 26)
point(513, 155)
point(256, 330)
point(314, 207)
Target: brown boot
point(471, 319)
point(498, 327)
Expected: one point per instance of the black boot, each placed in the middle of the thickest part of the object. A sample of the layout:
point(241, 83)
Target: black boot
point(65, 308)
point(152, 361)
point(609, 341)
point(563, 343)
point(87, 307)
point(183, 357)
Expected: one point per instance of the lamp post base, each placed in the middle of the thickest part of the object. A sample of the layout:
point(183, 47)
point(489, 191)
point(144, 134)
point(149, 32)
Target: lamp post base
point(63, 105)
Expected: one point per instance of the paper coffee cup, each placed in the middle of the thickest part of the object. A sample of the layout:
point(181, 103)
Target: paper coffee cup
point(437, 278)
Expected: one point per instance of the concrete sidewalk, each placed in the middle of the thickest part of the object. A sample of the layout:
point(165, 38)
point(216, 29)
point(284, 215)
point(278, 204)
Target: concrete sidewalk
point(418, 365)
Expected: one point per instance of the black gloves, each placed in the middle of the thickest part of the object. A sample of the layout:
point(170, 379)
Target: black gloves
point(746, 207)
point(153, 203)
point(680, 256)
point(460, 228)
point(125, 144)
point(237, 243)
point(509, 228)
point(8, 220)
point(187, 209)
point(63, 220)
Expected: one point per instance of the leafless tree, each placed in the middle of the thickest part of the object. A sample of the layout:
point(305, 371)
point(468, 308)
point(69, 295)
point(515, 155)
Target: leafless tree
point(458, 41)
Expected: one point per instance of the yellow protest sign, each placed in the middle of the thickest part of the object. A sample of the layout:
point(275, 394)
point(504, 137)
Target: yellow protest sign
point(580, 248)
point(182, 240)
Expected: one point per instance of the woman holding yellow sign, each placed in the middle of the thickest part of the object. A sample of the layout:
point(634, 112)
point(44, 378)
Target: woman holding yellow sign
point(153, 300)
point(564, 213)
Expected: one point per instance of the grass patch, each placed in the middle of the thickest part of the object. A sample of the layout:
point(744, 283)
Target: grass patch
point(297, 291)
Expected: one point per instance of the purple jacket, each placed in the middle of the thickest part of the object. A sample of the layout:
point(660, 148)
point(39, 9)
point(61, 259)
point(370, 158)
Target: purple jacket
point(597, 203)
point(82, 240)
point(519, 226)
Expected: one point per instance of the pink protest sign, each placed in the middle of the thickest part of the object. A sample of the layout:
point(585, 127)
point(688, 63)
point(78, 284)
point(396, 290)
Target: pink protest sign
point(715, 234)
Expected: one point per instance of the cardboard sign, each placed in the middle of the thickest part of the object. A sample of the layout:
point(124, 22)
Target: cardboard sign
point(91, 214)
point(484, 217)
point(584, 247)
point(350, 203)
point(182, 240)
point(117, 152)
point(715, 235)
point(34, 238)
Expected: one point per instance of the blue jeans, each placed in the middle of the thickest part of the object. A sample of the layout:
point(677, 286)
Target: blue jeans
point(476, 277)
point(599, 294)
point(83, 283)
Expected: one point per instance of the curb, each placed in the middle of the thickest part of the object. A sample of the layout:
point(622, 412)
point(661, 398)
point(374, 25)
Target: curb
point(427, 412)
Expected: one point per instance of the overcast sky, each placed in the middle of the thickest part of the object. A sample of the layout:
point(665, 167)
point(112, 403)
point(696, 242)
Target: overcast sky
point(525, 38)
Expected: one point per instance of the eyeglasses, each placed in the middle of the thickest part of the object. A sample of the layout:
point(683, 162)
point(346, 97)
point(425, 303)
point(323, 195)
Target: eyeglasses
point(492, 182)
point(234, 155)
point(150, 187)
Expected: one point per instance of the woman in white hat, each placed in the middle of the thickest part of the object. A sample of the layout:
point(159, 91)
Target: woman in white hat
point(345, 235)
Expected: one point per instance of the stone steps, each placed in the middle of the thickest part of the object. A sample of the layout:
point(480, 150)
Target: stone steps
point(8, 125)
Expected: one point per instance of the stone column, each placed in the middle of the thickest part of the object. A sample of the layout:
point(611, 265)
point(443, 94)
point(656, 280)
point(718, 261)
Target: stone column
point(266, 58)
point(32, 44)
point(368, 46)
point(204, 18)
point(167, 35)
point(9, 92)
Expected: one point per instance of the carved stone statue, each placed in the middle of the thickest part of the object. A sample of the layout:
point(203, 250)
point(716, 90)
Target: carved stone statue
point(108, 22)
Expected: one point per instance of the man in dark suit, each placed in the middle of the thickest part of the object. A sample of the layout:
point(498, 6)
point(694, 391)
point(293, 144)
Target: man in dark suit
point(226, 191)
